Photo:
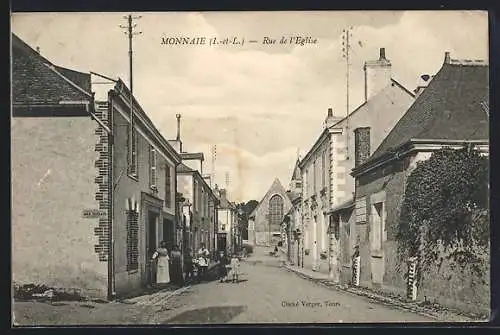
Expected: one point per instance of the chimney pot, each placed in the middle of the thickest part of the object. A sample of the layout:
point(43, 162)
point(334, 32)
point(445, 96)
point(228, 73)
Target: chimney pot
point(382, 54)
point(447, 59)
point(330, 112)
point(38, 49)
point(178, 116)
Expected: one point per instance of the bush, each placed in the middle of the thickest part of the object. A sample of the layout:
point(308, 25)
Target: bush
point(34, 291)
point(445, 211)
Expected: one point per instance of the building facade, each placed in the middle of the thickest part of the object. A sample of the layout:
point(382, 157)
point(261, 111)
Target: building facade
point(113, 191)
point(227, 221)
point(267, 217)
point(55, 202)
point(443, 115)
point(199, 208)
point(328, 186)
point(144, 191)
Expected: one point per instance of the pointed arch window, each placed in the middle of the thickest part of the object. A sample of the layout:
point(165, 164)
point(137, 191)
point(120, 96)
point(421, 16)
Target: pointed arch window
point(276, 210)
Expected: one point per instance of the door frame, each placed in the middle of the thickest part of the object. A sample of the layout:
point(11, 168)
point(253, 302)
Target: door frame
point(149, 204)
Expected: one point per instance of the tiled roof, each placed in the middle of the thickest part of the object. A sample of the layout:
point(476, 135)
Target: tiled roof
point(192, 155)
point(450, 108)
point(296, 171)
point(36, 81)
point(292, 195)
point(384, 94)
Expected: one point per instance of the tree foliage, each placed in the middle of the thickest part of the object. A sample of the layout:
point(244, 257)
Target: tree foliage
point(244, 211)
point(445, 210)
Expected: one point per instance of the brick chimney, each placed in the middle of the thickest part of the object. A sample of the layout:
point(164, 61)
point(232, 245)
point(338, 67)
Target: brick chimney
point(377, 75)
point(330, 119)
point(447, 58)
point(361, 145)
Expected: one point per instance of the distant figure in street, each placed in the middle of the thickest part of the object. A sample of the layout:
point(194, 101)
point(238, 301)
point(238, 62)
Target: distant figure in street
point(176, 259)
point(222, 266)
point(275, 249)
point(235, 267)
point(162, 264)
point(188, 264)
point(203, 255)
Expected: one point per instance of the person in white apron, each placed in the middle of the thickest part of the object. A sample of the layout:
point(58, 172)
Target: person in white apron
point(162, 265)
point(203, 255)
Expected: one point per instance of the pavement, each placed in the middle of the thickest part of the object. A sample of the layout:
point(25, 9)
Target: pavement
point(434, 311)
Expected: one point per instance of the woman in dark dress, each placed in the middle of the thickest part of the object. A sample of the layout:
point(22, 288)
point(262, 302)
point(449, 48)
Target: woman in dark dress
point(222, 266)
point(188, 265)
point(176, 257)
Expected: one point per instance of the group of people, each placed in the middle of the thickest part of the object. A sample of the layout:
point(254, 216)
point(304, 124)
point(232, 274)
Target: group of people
point(168, 265)
point(228, 267)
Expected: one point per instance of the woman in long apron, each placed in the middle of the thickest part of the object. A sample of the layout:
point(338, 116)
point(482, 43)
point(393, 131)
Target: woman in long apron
point(162, 265)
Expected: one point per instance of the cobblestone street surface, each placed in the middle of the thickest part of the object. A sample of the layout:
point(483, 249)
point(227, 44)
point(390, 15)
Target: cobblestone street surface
point(266, 293)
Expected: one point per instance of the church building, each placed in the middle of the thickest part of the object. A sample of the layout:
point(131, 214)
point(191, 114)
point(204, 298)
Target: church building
point(265, 220)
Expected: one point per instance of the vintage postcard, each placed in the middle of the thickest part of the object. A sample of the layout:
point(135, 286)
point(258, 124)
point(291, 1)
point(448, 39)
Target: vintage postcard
point(250, 167)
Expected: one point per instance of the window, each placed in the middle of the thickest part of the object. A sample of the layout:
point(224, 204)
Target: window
point(314, 177)
point(152, 168)
point(132, 240)
point(132, 152)
point(200, 198)
point(195, 196)
point(275, 210)
point(168, 187)
point(323, 169)
point(202, 203)
point(377, 226)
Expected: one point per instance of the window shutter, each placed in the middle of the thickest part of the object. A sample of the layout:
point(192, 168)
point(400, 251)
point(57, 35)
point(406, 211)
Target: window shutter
point(153, 167)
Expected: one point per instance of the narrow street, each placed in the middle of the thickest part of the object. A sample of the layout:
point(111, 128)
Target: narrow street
point(270, 294)
point(266, 293)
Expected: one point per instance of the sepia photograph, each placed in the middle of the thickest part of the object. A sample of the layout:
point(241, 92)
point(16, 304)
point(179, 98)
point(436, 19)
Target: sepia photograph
point(249, 167)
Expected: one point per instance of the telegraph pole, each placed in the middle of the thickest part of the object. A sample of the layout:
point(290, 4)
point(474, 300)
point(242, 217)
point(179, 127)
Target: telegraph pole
point(214, 158)
point(129, 31)
point(346, 46)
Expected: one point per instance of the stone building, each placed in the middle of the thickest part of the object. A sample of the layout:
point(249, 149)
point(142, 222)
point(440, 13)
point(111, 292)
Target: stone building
point(227, 220)
point(53, 139)
point(199, 209)
point(328, 188)
point(266, 218)
point(450, 112)
point(105, 189)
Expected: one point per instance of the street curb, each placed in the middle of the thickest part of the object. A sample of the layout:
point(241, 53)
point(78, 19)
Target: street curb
point(386, 301)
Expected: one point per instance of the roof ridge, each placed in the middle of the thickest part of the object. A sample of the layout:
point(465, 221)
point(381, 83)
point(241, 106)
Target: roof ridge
point(53, 68)
point(469, 62)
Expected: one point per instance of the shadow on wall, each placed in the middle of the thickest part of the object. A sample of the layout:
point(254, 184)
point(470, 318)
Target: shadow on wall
point(218, 314)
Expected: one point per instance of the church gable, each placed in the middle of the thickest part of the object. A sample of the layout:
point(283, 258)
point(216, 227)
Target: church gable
point(263, 211)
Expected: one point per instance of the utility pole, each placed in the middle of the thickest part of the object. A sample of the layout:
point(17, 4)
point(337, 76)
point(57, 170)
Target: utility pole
point(129, 31)
point(227, 184)
point(214, 158)
point(346, 46)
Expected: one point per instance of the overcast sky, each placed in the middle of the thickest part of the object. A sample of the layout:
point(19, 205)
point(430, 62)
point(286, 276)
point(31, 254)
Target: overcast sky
point(258, 103)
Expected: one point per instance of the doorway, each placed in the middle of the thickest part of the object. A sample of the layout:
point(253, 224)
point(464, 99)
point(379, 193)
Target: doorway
point(168, 232)
point(221, 242)
point(151, 245)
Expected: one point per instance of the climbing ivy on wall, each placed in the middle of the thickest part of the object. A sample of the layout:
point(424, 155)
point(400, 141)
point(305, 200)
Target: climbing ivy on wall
point(445, 212)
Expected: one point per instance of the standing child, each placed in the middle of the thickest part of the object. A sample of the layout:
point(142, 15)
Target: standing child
point(235, 267)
